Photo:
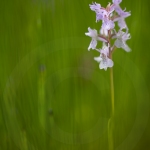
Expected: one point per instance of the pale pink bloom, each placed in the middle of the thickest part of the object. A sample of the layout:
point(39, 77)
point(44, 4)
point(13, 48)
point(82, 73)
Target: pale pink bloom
point(104, 61)
point(120, 42)
point(93, 34)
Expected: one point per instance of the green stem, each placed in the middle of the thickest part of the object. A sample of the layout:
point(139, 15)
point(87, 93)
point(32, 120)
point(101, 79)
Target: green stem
point(112, 91)
point(110, 122)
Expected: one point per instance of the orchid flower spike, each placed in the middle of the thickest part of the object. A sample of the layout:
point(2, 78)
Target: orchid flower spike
point(109, 16)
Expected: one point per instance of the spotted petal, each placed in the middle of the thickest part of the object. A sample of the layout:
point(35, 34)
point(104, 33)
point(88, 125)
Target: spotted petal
point(105, 63)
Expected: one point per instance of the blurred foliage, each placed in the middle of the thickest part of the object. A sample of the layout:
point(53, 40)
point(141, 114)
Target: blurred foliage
point(52, 93)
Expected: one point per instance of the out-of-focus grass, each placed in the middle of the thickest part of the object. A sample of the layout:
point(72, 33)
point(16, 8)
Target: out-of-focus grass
point(53, 95)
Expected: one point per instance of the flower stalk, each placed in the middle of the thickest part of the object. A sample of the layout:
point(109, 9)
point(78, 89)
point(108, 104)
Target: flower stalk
point(110, 121)
point(112, 92)
point(109, 16)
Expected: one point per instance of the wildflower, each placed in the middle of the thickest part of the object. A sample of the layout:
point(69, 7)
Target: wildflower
point(109, 15)
point(95, 7)
point(104, 61)
point(100, 12)
point(93, 34)
point(107, 24)
point(120, 42)
point(121, 13)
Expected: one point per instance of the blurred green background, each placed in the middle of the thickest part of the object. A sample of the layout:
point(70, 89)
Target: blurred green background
point(52, 93)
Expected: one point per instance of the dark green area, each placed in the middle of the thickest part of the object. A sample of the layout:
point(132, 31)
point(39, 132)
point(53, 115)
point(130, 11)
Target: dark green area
point(52, 93)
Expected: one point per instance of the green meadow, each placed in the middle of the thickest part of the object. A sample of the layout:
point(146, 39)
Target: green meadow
point(53, 96)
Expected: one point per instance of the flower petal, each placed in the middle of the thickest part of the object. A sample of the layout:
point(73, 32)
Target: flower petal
point(92, 44)
point(126, 47)
point(118, 43)
point(95, 7)
point(108, 24)
point(104, 32)
point(102, 65)
point(117, 2)
point(92, 33)
point(122, 24)
point(110, 63)
point(105, 63)
point(98, 59)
